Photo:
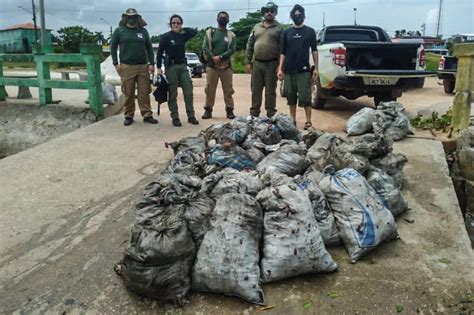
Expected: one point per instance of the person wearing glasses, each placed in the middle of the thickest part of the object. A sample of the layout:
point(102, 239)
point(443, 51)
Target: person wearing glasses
point(136, 64)
point(173, 44)
point(263, 52)
point(297, 42)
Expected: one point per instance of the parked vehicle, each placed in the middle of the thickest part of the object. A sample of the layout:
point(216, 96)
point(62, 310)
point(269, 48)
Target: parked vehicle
point(447, 69)
point(361, 60)
point(194, 64)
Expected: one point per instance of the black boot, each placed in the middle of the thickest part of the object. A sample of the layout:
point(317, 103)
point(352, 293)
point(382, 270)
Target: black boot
point(207, 114)
point(176, 122)
point(230, 113)
point(128, 121)
point(193, 120)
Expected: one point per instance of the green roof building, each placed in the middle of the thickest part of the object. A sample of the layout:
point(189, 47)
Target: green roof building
point(20, 38)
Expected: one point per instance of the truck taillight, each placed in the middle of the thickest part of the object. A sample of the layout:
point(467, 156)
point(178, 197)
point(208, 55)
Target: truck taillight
point(441, 63)
point(339, 56)
point(422, 57)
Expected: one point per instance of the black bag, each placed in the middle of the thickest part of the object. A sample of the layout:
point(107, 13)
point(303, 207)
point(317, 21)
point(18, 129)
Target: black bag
point(161, 91)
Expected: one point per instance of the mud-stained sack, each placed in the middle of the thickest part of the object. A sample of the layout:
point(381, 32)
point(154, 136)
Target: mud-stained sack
point(231, 181)
point(285, 125)
point(363, 220)
point(391, 119)
point(172, 188)
point(227, 261)
point(197, 213)
point(195, 144)
point(392, 164)
point(292, 244)
point(370, 145)
point(289, 160)
point(322, 212)
point(360, 122)
point(187, 162)
point(386, 188)
point(228, 155)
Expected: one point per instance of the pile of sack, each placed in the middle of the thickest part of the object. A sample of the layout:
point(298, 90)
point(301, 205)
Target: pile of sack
point(253, 201)
point(389, 119)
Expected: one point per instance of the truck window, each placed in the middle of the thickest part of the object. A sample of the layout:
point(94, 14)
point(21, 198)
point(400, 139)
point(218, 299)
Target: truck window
point(338, 35)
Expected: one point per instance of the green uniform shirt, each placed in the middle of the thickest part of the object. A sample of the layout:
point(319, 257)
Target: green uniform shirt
point(135, 46)
point(264, 42)
point(220, 45)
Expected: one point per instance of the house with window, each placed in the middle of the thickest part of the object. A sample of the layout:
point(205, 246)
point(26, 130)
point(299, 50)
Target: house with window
point(20, 38)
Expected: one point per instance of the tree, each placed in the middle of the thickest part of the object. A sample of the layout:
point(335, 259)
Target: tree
point(155, 39)
point(243, 27)
point(195, 44)
point(72, 36)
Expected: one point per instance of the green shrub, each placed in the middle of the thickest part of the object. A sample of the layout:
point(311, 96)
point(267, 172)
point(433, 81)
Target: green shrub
point(432, 61)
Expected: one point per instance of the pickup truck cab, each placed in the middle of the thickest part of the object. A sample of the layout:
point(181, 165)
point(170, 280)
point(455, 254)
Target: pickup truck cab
point(357, 60)
point(447, 68)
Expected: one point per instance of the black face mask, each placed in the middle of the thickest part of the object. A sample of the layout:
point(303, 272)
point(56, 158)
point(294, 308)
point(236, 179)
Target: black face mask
point(222, 21)
point(298, 19)
point(132, 20)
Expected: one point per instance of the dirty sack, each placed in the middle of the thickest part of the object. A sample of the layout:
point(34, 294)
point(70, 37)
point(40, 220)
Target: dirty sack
point(229, 155)
point(361, 122)
point(158, 261)
point(227, 261)
point(331, 149)
point(187, 162)
point(370, 145)
point(226, 133)
point(230, 180)
point(390, 119)
point(172, 189)
point(256, 154)
point(292, 243)
point(289, 160)
point(285, 126)
point(392, 164)
point(194, 144)
point(385, 187)
point(322, 212)
point(197, 213)
point(363, 221)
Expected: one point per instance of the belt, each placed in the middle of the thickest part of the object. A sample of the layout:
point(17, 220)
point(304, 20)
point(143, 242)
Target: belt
point(271, 60)
point(177, 62)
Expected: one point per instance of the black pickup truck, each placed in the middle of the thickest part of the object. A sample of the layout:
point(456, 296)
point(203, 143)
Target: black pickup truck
point(357, 60)
point(447, 69)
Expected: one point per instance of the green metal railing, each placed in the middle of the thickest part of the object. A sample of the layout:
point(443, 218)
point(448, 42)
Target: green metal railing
point(89, 55)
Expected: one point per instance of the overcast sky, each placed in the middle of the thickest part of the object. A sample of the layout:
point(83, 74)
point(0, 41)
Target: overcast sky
point(457, 15)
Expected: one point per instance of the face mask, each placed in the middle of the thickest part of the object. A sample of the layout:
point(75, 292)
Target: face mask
point(222, 21)
point(132, 21)
point(298, 19)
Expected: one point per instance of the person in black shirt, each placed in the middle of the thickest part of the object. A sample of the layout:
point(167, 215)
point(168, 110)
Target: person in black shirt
point(294, 63)
point(173, 44)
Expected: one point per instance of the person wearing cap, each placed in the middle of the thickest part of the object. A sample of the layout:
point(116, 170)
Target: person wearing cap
point(135, 66)
point(173, 44)
point(263, 51)
point(297, 42)
point(218, 47)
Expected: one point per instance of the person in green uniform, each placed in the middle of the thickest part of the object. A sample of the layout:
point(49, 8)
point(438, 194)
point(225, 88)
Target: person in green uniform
point(173, 44)
point(218, 47)
point(135, 66)
point(297, 42)
point(263, 52)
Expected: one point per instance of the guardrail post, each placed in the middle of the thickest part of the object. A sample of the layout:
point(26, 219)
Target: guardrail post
point(92, 57)
point(44, 73)
point(464, 86)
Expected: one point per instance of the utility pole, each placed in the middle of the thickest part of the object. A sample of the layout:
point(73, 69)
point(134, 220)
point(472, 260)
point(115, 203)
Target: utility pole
point(43, 24)
point(438, 27)
point(34, 19)
point(324, 19)
point(111, 30)
point(355, 16)
point(423, 28)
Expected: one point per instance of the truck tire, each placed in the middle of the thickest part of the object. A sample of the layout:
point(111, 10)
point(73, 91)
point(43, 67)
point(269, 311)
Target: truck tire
point(282, 89)
point(420, 84)
point(384, 97)
point(449, 86)
point(317, 102)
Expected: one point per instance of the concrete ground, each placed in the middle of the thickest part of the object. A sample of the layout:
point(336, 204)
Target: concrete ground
point(66, 213)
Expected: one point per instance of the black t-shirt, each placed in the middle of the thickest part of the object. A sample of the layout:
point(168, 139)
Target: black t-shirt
point(295, 45)
point(174, 45)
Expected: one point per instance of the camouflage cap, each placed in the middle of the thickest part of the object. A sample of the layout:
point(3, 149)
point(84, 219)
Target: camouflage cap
point(130, 12)
point(269, 6)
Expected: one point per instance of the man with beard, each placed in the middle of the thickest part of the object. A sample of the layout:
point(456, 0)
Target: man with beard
point(136, 64)
point(294, 63)
point(218, 47)
point(263, 51)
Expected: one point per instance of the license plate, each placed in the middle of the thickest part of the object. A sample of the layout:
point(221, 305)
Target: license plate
point(380, 81)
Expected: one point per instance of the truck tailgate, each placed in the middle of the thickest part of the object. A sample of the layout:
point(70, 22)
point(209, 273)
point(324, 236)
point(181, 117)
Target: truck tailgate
point(388, 73)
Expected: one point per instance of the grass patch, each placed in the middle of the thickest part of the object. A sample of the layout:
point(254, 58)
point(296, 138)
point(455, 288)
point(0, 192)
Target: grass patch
point(238, 62)
point(432, 61)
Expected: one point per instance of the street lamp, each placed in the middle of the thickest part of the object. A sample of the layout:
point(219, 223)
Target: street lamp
point(355, 16)
point(108, 25)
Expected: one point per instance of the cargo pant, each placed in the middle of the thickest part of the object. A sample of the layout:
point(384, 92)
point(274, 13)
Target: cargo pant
point(212, 77)
point(178, 73)
point(136, 76)
point(298, 89)
point(264, 76)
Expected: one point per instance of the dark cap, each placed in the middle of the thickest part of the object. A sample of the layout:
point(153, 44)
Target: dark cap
point(130, 12)
point(269, 6)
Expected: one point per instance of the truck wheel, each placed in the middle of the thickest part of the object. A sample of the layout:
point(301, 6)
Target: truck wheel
point(282, 89)
point(317, 102)
point(449, 86)
point(383, 98)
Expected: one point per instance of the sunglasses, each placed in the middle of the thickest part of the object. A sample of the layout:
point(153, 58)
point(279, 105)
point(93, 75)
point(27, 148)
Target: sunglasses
point(269, 11)
point(176, 23)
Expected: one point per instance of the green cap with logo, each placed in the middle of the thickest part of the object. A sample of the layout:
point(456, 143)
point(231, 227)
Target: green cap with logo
point(270, 6)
